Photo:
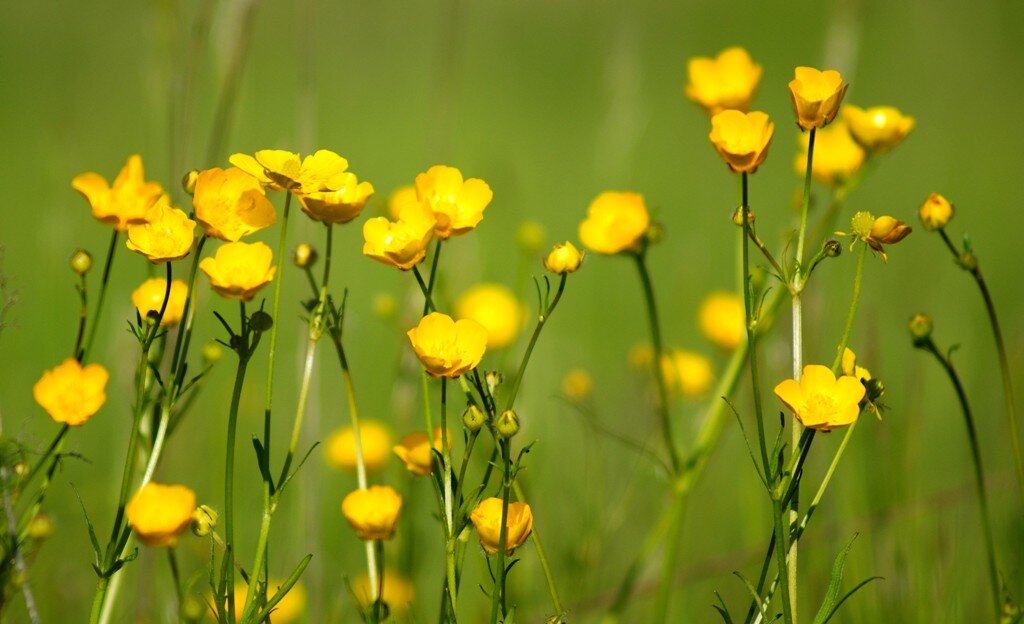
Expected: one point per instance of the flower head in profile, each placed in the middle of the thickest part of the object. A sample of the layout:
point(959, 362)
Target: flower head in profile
point(340, 205)
point(877, 129)
point(403, 243)
point(742, 139)
point(820, 400)
point(935, 212)
point(687, 372)
point(230, 204)
point(398, 592)
point(816, 96)
point(563, 258)
point(125, 202)
point(373, 512)
point(287, 611)
point(727, 81)
point(323, 170)
point(274, 169)
point(375, 439)
point(71, 393)
point(167, 234)
point(722, 319)
point(448, 348)
point(837, 157)
point(457, 204)
point(149, 298)
point(415, 451)
point(496, 308)
point(486, 517)
point(240, 270)
point(616, 221)
point(875, 233)
point(160, 514)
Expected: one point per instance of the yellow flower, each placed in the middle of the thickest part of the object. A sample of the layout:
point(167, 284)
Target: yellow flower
point(875, 233)
point(337, 206)
point(230, 204)
point(287, 611)
point(399, 198)
point(816, 96)
point(323, 171)
point(577, 384)
point(125, 202)
point(414, 451)
point(722, 319)
point(640, 356)
point(275, 169)
point(166, 236)
point(742, 139)
point(496, 308)
point(615, 222)
point(487, 520)
point(879, 128)
point(376, 442)
point(239, 270)
point(149, 297)
point(160, 514)
point(837, 157)
point(849, 366)
point(819, 400)
point(458, 205)
point(687, 372)
point(727, 81)
point(403, 243)
point(373, 512)
point(71, 393)
point(398, 592)
point(935, 212)
point(448, 348)
point(563, 258)
point(530, 236)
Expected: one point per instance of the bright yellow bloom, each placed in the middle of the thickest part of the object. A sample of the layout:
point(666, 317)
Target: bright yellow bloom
point(487, 520)
point(742, 139)
point(398, 592)
point(125, 202)
point(337, 206)
point(323, 171)
point(850, 368)
point(875, 233)
point(414, 451)
point(71, 393)
point(167, 235)
point(458, 205)
point(687, 372)
point(577, 384)
point(149, 297)
point(837, 157)
point(819, 400)
point(160, 514)
point(448, 348)
point(376, 443)
point(230, 204)
point(373, 512)
point(496, 308)
point(275, 169)
point(935, 212)
point(727, 81)
point(879, 128)
point(722, 319)
point(288, 611)
point(816, 96)
point(403, 243)
point(615, 222)
point(563, 258)
point(240, 270)
point(399, 198)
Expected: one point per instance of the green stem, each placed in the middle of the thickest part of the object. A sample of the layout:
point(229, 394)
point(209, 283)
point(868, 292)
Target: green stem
point(45, 457)
point(172, 560)
point(498, 593)
point(541, 320)
point(83, 315)
point(852, 312)
point(428, 302)
point(228, 569)
point(542, 556)
point(806, 201)
point(102, 296)
point(449, 514)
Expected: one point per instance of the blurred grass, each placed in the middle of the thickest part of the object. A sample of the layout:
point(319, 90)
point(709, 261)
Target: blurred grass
point(550, 102)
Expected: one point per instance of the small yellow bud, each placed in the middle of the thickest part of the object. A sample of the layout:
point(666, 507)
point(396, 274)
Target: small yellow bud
point(204, 520)
point(564, 258)
point(935, 212)
point(188, 181)
point(384, 306)
point(212, 352)
point(40, 526)
point(507, 425)
point(21, 469)
point(192, 609)
point(921, 328)
point(473, 418)
point(737, 216)
point(81, 262)
point(833, 249)
point(577, 385)
point(530, 237)
point(304, 256)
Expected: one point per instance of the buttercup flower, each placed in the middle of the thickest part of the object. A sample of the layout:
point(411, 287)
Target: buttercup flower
point(448, 348)
point(71, 393)
point(850, 368)
point(239, 270)
point(275, 169)
point(742, 139)
point(160, 514)
point(125, 202)
point(884, 230)
point(496, 308)
point(727, 81)
point(837, 157)
point(230, 204)
point(337, 206)
point(487, 520)
point(819, 400)
point(722, 319)
point(816, 96)
point(414, 451)
point(616, 221)
point(373, 512)
point(879, 128)
point(935, 212)
point(288, 611)
point(167, 234)
point(403, 243)
point(687, 372)
point(563, 258)
point(458, 205)
point(399, 198)
point(398, 592)
point(149, 297)
point(577, 384)
point(376, 444)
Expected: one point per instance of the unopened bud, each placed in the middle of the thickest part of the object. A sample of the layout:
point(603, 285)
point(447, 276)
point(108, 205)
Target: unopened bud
point(655, 233)
point(507, 425)
point(473, 418)
point(212, 352)
point(737, 216)
point(21, 469)
point(968, 261)
point(192, 609)
point(81, 262)
point(875, 389)
point(40, 527)
point(921, 328)
point(261, 321)
point(204, 520)
point(304, 256)
point(188, 181)
point(493, 379)
point(833, 248)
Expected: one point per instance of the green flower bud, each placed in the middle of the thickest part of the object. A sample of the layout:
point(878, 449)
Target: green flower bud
point(473, 418)
point(507, 425)
point(81, 262)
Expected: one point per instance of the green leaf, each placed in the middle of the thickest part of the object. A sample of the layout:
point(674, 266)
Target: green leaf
point(722, 609)
point(92, 530)
point(831, 601)
point(851, 593)
point(290, 582)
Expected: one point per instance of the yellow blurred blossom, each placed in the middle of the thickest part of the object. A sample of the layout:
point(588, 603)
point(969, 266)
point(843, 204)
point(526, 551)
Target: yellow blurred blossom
point(640, 356)
point(935, 212)
point(71, 393)
point(727, 81)
point(230, 204)
point(563, 258)
point(376, 443)
point(239, 270)
point(837, 157)
point(486, 518)
point(816, 96)
point(399, 198)
point(742, 139)
point(373, 512)
point(337, 206)
point(414, 451)
point(879, 128)
point(496, 308)
point(160, 514)
point(398, 592)
point(577, 384)
point(530, 236)
point(819, 400)
point(722, 319)
point(149, 297)
point(616, 221)
point(687, 372)
point(167, 234)
point(125, 202)
point(458, 205)
point(403, 243)
point(448, 348)
point(287, 611)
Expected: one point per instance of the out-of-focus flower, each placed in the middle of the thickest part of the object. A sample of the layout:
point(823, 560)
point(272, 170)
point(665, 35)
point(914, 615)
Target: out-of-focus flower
point(530, 236)
point(160, 514)
point(458, 205)
point(819, 400)
point(935, 212)
point(71, 393)
point(230, 204)
point(403, 243)
point(399, 198)
point(373, 512)
point(496, 308)
point(125, 202)
point(376, 443)
point(287, 611)
point(727, 81)
point(149, 297)
point(563, 258)
point(837, 157)
point(340, 205)
point(877, 129)
point(687, 372)
point(304, 255)
point(448, 348)
point(398, 592)
point(816, 96)
point(577, 384)
point(742, 139)
point(240, 270)
point(167, 234)
point(616, 221)
point(722, 319)
point(414, 451)
point(487, 520)
point(640, 356)
point(875, 233)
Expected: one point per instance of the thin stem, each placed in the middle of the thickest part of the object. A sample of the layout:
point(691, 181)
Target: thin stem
point(45, 457)
point(542, 556)
point(428, 303)
point(102, 296)
point(806, 201)
point(227, 569)
point(852, 312)
point(275, 312)
point(498, 593)
point(541, 320)
point(83, 315)
point(172, 560)
point(449, 514)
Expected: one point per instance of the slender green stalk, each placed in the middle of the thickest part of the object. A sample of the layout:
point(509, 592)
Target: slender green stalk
point(83, 315)
point(98, 313)
point(47, 454)
point(498, 593)
point(541, 320)
point(852, 312)
point(542, 556)
point(427, 303)
point(227, 568)
point(806, 200)
point(172, 560)
point(449, 514)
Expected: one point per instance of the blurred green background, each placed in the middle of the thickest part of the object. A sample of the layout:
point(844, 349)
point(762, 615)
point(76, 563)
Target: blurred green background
point(551, 102)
